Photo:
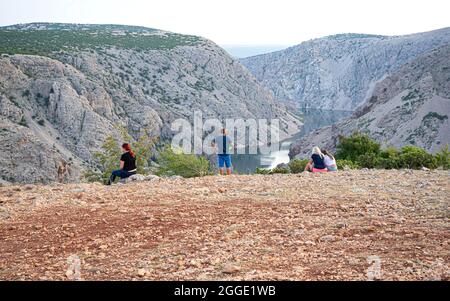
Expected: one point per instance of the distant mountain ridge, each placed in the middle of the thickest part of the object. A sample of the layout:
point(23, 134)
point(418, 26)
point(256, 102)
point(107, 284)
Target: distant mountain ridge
point(340, 71)
point(243, 51)
point(64, 88)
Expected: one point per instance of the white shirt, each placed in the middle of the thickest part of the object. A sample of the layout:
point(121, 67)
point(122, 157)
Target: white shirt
point(329, 161)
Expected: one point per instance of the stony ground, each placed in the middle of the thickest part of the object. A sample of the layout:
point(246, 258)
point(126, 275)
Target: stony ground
point(350, 225)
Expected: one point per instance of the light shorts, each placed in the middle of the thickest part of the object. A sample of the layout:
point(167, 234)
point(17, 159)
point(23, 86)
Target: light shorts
point(332, 168)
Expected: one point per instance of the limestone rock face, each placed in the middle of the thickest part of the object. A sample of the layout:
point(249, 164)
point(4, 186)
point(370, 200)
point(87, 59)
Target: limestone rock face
point(409, 107)
point(69, 96)
point(339, 72)
point(26, 157)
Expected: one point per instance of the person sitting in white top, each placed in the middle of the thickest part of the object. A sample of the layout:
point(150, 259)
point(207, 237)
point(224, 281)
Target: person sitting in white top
point(330, 161)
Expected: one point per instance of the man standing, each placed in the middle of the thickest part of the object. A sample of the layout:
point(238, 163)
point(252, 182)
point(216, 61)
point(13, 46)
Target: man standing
point(223, 146)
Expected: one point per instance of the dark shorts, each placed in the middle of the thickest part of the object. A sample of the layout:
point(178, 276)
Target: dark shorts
point(224, 160)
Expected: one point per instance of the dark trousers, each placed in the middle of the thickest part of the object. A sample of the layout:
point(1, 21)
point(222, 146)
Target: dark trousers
point(123, 174)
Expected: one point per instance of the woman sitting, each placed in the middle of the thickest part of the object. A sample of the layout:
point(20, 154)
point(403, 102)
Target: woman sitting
point(330, 161)
point(317, 163)
point(127, 165)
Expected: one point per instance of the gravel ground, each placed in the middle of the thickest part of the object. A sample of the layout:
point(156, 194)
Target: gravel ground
point(352, 225)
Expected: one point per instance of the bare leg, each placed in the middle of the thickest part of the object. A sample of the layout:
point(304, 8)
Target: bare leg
point(308, 167)
point(229, 171)
point(221, 171)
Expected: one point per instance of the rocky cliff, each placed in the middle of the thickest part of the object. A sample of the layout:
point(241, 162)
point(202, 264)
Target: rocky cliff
point(65, 87)
point(339, 72)
point(409, 107)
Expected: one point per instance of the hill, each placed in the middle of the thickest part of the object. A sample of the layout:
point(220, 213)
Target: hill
point(65, 87)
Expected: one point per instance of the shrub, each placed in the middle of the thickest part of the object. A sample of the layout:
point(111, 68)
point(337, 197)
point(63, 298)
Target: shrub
point(280, 170)
point(343, 164)
point(369, 160)
point(415, 158)
point(186, 165)
point(389, 159)
point(356, 145)
point(26, 93)
point(297, 165)
point(263, 171)
point(23, 122)
point(443, 158)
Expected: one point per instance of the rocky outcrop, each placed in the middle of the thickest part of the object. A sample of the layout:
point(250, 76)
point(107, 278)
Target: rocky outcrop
point(409, 107)
point(339, 72)
point(83, 81)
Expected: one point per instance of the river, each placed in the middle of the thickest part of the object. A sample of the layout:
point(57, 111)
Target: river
point(312, 118)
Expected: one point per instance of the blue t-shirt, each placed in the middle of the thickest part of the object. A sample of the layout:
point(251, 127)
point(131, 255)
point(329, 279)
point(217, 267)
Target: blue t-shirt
point(319, 162)
point(223, 144)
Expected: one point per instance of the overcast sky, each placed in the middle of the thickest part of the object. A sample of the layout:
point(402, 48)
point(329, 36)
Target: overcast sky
point(242, 22)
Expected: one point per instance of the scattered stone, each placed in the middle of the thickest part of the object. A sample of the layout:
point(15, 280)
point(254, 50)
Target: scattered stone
point(341, 225)
point(142, 272)
point(230, 268)
point(309, 243)
point(328, 238)
point(152, 178)
point(28, 187)
point(136, 178)
point(358, 189)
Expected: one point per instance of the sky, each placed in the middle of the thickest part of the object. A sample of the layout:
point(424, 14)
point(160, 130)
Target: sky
point(242, 22)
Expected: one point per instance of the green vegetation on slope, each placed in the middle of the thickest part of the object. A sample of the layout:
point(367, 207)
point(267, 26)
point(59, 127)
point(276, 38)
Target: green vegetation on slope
point(47, 41)
point(359, 151)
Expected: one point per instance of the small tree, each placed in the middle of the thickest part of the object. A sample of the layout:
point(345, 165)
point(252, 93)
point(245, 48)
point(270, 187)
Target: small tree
point(108, 158)
point(143, 148)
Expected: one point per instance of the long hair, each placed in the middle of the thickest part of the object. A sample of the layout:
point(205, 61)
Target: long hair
point(316, 151)
point(327, 153)
point(127, 147)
